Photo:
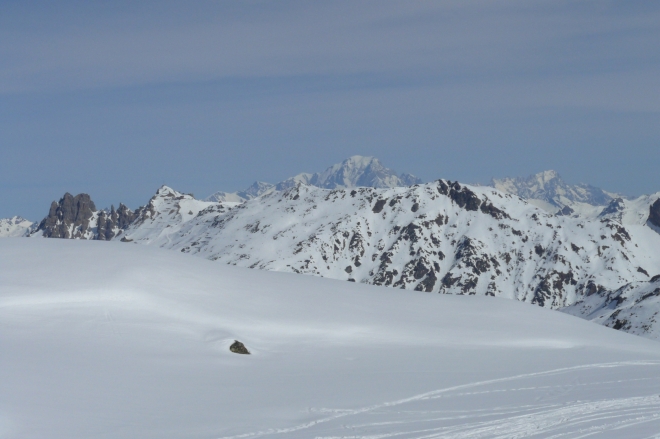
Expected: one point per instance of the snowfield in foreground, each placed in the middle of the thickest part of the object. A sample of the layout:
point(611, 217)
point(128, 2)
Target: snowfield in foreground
point(107, 340)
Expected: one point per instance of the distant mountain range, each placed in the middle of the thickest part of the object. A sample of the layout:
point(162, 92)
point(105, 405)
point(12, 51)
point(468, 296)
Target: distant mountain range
point(537, 239)
point(356, 171)
point(550, 192)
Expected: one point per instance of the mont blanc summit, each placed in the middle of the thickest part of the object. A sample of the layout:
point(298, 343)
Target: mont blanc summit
point(355, 171)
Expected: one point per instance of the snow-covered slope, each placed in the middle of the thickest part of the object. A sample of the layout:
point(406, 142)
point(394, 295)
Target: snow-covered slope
point(167, 212)
point(438, 237)
point(632, 308)
point(640, 210)
point(14, 227)
point(355, 171)
point(123, 341)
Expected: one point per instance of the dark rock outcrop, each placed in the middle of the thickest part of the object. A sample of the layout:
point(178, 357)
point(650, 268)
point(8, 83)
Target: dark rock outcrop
point(654, 213)
point(68, 218)
point(239, 348)
point(615, 206)
point(565, 211)
point(112, 223)
point(76, 217)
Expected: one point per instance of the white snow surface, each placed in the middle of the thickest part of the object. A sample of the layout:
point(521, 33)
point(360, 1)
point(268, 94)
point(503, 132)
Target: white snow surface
point(14, 227)
point(108, 340)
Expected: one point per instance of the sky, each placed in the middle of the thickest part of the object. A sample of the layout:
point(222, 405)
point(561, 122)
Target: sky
point(118, 98)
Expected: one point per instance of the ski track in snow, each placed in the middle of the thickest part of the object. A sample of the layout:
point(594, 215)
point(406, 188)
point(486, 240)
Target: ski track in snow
point(568, 420)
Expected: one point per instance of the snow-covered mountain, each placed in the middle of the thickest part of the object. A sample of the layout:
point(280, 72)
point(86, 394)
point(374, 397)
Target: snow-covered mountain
point(437, 237)
point(110, 340)
point(166, 212)
point(550, 192)
point(14, 227)
point(355, 171)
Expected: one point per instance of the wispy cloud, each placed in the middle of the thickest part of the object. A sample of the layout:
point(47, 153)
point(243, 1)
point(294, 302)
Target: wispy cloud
point(417, 43)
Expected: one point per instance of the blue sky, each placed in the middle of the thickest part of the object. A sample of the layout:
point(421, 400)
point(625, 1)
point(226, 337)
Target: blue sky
point(116, 98)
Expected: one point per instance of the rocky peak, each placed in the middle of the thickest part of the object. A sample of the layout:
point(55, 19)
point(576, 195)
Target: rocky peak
point(359, 171)
point(613, 209)
point(257, 188)
point(112, 223)
point(165, 191)
point(69, 217)
point(77, 218)
point(355, 171)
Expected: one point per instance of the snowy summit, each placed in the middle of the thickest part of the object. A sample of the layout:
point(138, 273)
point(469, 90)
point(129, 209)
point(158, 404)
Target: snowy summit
point(355, 171)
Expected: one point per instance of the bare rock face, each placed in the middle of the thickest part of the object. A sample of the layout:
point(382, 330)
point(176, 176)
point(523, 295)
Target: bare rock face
point(565, 211)
point(613, 209)
point(239, 348)
point(77, 218)
point(654, 213)
point(112, 223)
point(68, 218)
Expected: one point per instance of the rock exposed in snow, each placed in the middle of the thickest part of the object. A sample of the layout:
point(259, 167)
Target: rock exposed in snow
point(654, 213)
point(637, 211)
point(239, 348)
point(632, 308)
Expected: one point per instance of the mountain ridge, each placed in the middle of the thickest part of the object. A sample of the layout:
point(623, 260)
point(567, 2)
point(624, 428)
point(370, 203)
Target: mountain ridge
point(441, 237)
point(355, 171)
